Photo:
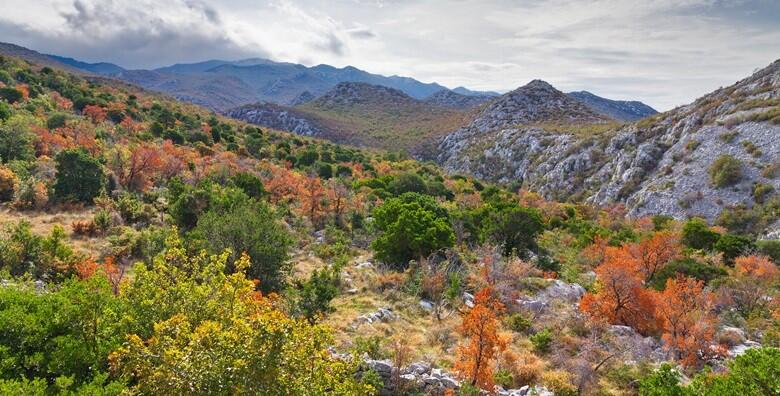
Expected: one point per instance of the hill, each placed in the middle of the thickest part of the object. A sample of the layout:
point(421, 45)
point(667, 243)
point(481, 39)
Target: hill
point(663, 164)
point(621, 110)
point(360, 114)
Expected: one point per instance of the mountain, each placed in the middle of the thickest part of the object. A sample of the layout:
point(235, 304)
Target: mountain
point(468, 92)
point(104, 68)
point(662, 164)
point(359, 114)
point(221, 85)
point(618, 109)
point(8, 49)
point(451, 99)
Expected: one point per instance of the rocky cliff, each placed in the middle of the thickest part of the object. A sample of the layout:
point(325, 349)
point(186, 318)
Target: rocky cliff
point(659, 165)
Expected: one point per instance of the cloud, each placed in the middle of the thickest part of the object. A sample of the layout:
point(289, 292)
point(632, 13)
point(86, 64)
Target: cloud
point(361, 33)
point(134, 34)
point(665, 52)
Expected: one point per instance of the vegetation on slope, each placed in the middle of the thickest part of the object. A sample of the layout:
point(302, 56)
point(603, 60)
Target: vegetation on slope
point(206, 256)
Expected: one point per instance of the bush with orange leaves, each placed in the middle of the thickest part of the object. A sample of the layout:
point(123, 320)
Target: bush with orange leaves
point(84, 227)
point(684, 310)
point(753, 278)
point(483, 344)
point(622, 298)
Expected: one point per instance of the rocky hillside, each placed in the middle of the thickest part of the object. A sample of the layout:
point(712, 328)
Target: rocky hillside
point(622, 110)
point(663, 164)
point(283, 118)
point(454, 100)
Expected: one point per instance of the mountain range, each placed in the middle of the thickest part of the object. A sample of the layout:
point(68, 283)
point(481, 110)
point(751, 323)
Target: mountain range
point(223, 85)
point(567, 146)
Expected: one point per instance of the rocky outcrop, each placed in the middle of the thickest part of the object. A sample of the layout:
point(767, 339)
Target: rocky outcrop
point(421, 377)
point(278, 117)
point(659, 165)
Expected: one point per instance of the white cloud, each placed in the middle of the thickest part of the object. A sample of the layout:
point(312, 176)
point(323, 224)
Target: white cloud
point(664, 52)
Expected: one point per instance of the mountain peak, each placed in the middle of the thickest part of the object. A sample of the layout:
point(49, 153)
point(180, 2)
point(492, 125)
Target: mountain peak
point(537, 101)
point(539, 84)
point(351, 93)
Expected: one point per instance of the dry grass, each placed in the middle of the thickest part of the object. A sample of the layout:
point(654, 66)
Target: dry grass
point(43, 222)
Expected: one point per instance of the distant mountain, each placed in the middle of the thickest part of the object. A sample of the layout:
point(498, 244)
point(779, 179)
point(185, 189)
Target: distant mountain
point(468, 92)
point(221, 85)
point(359, 114)
point(103, 68)
point(618, 109)
point(451, 99)
point(29, 55)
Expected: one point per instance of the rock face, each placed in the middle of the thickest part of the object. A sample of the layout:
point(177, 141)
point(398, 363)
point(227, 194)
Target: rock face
point(622, 110)
point(278, 117)
point(659, 165)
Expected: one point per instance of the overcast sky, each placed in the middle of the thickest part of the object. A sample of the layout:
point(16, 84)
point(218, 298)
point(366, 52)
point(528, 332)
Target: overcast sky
point(665, 52)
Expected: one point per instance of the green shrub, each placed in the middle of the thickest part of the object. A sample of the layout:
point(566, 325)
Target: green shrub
point(733, 246)
point(250, 227)
point(249, 184)
point(311, 298)
point(79, 176)
point(56, 120)
point(542, 341)
point(411, 226)
point(725, 171)
point(513, 227)
point(761, 191)
point(756, 372)
point(10, 95)
point(688, 267)
point(518, 322)
point(369, 345)
point(5, 111)
point(408, 182)
point(771, 248)
point(697, 234)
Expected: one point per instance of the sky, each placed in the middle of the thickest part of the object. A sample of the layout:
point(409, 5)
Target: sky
point(662, 52)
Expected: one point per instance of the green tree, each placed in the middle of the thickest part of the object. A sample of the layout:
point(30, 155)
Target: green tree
point(412, 226)
point(10, 95)
point(733, 246)
point(513, 227)
point(17, 139)
point(249, 227)
point(79, 176)
point(66, 332)
point(696, 234)
point(250, 184)
point(408, 182)
point(311, 299)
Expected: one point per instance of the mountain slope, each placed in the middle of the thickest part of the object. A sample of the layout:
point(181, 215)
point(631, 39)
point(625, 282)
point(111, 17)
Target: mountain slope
point(451, 99)
point(659, 165)
point(103, 68)
point(359, 114)
point(618, 109)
